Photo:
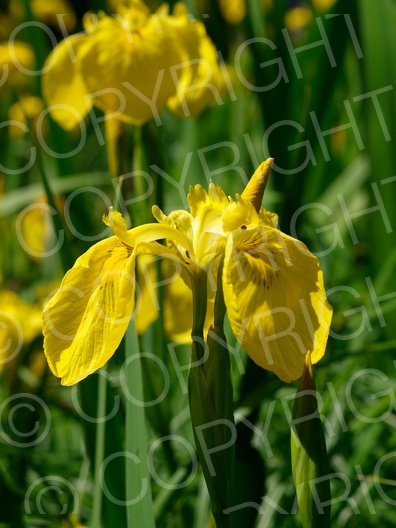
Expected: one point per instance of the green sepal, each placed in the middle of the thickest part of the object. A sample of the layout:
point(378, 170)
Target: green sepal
point(309, 456)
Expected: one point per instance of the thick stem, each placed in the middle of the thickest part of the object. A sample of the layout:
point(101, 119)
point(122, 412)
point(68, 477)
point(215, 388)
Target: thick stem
point(200, 297)
point(211, 403)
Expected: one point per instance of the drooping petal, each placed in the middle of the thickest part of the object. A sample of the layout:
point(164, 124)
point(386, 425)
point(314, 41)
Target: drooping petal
point(86, 319)
point(200, 80)
point(275, 297)
point(63, 85)
point(126, 65)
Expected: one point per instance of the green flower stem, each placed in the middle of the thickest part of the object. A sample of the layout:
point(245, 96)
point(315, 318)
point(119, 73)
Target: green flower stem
point(309, 456)
point(200, 299)
point(114, 131)
point(66, 254)
point(99, 453)
point(140, 512)
point(211, 401)
point(219, 307)
point(34, 35)
point(139, 183)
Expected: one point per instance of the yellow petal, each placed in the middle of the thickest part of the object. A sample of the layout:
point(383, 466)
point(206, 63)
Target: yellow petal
point(49, 13)
point(200, 81)
point(16, 53)
point(178, 306)
point(20, 324)
point(233, 11)
point(127, 67)
point(17, 57)
point(177, 299)
point(118, 225)
point(147, 305)
point(239, 215)
point(114, 130)
point(275, 297)
point(63, 86)
point(86, 319)
point(323, 5)
point(255, 188)
point(198, 199)
point(297, 18)
point(207, 229)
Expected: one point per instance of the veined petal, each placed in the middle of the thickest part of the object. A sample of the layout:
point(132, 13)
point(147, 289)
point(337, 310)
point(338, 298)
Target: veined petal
point(63, 86)
point(275, 297)
point(86, 319)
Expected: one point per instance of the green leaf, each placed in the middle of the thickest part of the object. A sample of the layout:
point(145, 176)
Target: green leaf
point(309, 456)
point(210, 394)
point(112, 513)
point(16, 200)
point(140, 511)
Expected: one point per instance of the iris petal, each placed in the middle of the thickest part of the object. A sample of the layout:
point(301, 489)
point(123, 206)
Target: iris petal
point(86, 319)
point(127, 71)
point(275, 297)
point(63, 86)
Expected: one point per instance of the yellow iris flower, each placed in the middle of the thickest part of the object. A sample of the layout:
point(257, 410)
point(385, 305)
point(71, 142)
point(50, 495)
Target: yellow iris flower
point(20, 324)
point(131, 65)
point(273, 286)
point(26, 111)
point(47, 12)
point(233, 11)
point(17, 59)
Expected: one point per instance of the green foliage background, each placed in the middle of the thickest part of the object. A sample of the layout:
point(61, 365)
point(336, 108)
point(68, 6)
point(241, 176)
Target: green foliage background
point(355, 380)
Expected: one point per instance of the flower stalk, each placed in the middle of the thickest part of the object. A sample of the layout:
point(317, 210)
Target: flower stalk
point(309, 456)
point(211, 403)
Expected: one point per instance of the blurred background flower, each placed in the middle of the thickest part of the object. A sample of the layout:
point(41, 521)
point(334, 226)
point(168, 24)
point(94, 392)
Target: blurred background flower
point(131, 66)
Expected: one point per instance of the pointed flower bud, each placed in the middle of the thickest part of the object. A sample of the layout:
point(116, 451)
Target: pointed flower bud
point(255, 188)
